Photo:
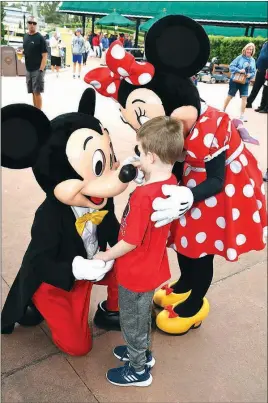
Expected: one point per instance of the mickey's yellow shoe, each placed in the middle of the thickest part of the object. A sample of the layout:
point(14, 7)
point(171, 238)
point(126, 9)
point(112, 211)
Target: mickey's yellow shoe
point(165, 296)
point(170, 322)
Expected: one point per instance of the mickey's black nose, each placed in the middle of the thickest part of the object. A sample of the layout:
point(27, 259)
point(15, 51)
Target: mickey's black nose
point(137, 151)
point(127, 173)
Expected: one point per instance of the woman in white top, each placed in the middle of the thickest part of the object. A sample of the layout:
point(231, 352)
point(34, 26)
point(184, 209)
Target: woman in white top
point(55, 53)
point(87, 49)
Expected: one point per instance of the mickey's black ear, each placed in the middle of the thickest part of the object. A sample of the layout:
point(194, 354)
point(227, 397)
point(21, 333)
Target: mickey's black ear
point(177, 44)
point(24, 130)
point(87, 102)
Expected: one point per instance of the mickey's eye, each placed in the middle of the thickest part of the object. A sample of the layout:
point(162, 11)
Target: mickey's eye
point(98, 162)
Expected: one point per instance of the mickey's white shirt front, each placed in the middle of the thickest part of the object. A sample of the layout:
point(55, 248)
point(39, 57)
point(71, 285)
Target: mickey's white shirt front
point(89, 235)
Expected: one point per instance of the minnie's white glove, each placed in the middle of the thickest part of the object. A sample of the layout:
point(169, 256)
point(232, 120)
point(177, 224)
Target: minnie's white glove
point(180, 200)
point(140, 176)
point(93, 270)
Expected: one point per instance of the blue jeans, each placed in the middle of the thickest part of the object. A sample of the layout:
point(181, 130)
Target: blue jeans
point(234, 87)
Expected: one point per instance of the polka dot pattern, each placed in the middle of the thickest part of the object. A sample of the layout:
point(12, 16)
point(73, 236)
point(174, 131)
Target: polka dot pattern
point(235, 167)
point(235, 214)
point(195, 134)
point(219, 245)
point(211, 201)
point(256, 217)
point(243, 159)
point(144, 78)
point(201, 237)
point(208, 139)
point(248, 191)
point(231, 254)
point(195, 213)
point(118, 52)
point(240, 239)
point(230, 190)
point(96, 84)
point(184, 242)
point(228, 223)
point(221, 222)
point(191, 183)
point(122, 72)
point(182, 221)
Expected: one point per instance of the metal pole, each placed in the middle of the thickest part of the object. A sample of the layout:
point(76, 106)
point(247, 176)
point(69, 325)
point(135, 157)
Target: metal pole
point(137, 32)
point(93, 23)
point(84, 24)
point(24, 22)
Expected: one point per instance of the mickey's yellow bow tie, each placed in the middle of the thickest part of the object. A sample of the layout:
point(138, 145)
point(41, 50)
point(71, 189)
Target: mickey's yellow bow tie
point(96, 218)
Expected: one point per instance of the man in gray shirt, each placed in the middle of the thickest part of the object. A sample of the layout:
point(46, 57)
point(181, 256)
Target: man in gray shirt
point(78, 48)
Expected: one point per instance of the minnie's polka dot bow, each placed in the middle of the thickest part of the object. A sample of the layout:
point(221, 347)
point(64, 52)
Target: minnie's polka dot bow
point(121, 65)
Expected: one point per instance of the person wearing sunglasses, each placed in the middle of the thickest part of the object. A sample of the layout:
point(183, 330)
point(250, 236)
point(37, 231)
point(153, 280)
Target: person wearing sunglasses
point(35, 51)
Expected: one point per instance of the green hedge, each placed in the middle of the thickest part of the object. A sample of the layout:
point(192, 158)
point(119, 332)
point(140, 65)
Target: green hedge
point(226, 49)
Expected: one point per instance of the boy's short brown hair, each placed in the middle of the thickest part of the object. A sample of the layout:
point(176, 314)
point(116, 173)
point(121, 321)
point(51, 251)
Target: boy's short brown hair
point(162, 136)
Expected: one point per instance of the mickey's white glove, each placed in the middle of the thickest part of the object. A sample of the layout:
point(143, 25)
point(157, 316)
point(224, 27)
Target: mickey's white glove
point(140, 176)
point(93, 270)
point(180, 200)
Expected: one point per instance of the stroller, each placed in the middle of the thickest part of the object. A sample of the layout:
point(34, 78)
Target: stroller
point(212, 73)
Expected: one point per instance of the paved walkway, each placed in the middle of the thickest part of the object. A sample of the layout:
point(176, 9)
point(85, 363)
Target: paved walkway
point(224, 361)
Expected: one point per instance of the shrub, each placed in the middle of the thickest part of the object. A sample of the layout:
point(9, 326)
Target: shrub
point(226, 49)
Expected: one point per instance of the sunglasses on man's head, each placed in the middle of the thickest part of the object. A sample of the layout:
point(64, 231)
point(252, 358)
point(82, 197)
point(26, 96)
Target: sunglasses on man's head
point(32, 23)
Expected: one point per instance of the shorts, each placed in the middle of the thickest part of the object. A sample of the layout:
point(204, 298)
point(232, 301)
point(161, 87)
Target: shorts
point(56, 61)
point(234, 87)
point(35, 81)
point(77, 59)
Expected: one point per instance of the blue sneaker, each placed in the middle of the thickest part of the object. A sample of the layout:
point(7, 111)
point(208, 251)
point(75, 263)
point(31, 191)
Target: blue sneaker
point(127, 376)
point(121, 353)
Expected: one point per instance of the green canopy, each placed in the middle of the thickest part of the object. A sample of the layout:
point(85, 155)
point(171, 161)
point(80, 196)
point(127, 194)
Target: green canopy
point(114, 19)
point(147, 25)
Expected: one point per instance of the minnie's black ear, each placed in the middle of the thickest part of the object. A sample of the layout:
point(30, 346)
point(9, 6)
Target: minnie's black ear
point(87, 102)
point(24, 130)
point(177, 44)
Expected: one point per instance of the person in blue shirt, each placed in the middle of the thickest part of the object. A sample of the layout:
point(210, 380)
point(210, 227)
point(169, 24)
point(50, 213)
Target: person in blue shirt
point(262, 65)
point(245, 63)
point(105, 45)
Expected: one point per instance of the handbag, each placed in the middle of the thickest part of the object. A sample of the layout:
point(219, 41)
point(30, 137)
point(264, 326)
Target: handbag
point(240, 78)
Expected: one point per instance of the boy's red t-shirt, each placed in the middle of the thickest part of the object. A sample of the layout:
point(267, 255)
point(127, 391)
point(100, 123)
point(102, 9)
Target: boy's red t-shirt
point(146, 267)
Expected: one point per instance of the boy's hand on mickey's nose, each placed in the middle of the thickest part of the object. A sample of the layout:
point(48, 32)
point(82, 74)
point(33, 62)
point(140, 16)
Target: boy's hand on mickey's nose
point(135, 161)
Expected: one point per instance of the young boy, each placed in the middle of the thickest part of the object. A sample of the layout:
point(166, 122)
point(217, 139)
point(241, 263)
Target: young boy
point(142, 263)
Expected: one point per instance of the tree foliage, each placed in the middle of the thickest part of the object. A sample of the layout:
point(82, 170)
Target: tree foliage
point(3, 42)
point(226, 49)
point(48, 10)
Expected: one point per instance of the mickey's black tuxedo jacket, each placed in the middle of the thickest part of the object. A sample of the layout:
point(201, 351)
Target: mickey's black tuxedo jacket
point(55, 243)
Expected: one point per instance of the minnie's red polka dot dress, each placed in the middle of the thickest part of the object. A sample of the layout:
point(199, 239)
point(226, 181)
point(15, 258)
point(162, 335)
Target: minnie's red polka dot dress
point(233, 221)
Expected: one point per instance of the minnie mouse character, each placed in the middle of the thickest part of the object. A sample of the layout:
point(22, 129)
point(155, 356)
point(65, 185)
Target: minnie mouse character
point(219, 207)
point(73, 161)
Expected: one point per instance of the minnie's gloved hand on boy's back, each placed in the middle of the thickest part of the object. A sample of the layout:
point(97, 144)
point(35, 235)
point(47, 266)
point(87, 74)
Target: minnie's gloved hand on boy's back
point(140, 175)
point(173, 207)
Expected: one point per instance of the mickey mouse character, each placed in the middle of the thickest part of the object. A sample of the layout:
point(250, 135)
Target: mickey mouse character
point(73, 161)
point(219, 207)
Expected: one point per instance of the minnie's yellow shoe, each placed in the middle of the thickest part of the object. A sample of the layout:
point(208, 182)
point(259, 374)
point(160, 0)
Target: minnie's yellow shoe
point(170, 322)
point(165, 296)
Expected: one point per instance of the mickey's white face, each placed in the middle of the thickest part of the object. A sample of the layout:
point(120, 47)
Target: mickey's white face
point(142, 105)
point(91, 155)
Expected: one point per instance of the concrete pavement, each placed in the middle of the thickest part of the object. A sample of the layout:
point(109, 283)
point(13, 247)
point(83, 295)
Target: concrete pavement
point(223, 361)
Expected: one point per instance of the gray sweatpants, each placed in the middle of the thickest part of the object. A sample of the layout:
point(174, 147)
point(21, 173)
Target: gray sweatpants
point(135, 319)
